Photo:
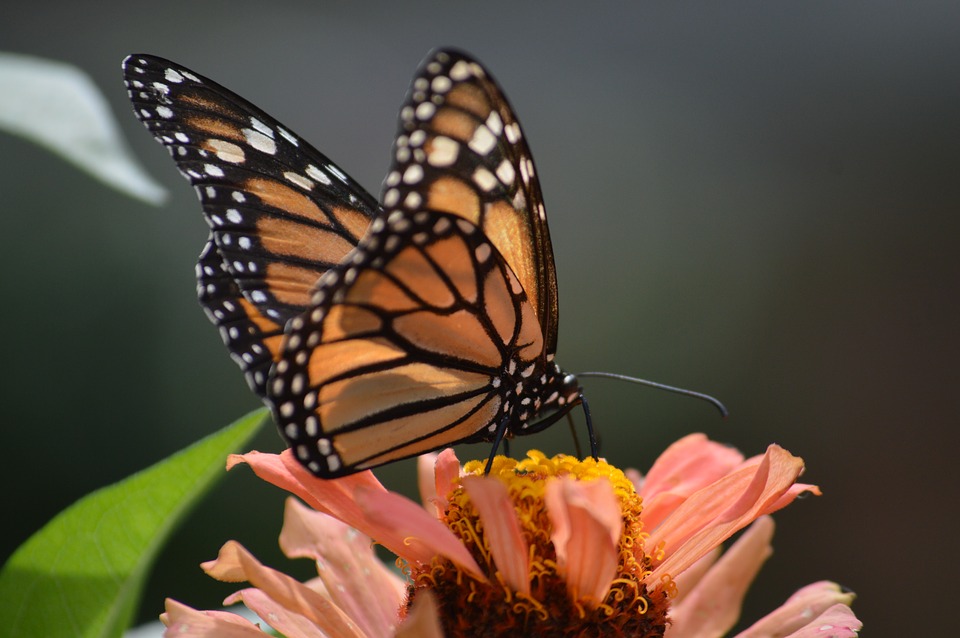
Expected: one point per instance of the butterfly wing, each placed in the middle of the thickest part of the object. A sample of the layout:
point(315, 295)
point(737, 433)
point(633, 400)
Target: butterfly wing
point(280, 212)
point(252, 339)
point(419, 341)
point(460, 149)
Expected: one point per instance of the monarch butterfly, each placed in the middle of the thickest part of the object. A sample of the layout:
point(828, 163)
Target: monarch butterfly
point(374, 331)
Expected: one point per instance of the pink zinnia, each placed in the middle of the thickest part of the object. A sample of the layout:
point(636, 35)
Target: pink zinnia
point(542, 546)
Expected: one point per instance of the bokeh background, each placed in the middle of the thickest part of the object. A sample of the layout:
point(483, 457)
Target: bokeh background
point(756, 200)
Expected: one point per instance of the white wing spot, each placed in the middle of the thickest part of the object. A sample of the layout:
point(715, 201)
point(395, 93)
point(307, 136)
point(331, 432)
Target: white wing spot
point(171, 75)
point(299, 180)
point(425, 110)
point(164, 112)
point(443, 151)
point(336, 171)
point(260, 126)
point(413, 200)
point(290, 137)
point(317, 174)
point(238, 197)
point(483, 140)
point(212, 171)
point(413, 174)
point(441, 84)
point(260, 141)
point(494, 123)
point(234, 216)
point(227, 151)
point(484, 179)
point(460, 71)
point(417, 138)
point(505, 172)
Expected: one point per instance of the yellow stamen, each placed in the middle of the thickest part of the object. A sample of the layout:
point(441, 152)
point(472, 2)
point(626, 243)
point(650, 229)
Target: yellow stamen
point(628, 609)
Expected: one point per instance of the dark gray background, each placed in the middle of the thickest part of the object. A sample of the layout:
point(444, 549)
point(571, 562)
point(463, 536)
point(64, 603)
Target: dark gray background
point(757, 200)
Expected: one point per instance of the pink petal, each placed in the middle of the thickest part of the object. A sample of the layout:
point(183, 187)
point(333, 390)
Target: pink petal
point(687, 581)
point(437, 475)
point(336, 497)
point(288, 623)
point(447, 475)
point(792, 494)
point(409, 531)
point(635, 477)
point(806, 604)
point(423, 620)
point(586, 521)
point(713, 607)
point(713, 514)
point(837, 622)
point(234, 564)
point(360, 501)
point(501, 529)
point(183, 621)
point(425, 483)
point(354, 579)
point(688, 465)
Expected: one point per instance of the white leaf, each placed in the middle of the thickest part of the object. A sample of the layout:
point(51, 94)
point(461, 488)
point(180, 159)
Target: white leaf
point(59, 107)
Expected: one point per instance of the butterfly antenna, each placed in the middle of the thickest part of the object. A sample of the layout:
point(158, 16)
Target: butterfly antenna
point(653, 384)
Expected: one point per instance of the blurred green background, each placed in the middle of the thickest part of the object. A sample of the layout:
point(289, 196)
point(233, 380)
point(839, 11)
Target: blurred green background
point(756, 200)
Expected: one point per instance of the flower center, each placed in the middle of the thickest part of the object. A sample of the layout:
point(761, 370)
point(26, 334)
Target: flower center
point(472, 608)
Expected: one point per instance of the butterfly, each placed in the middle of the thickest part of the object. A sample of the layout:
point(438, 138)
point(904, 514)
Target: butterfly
point(374, 330)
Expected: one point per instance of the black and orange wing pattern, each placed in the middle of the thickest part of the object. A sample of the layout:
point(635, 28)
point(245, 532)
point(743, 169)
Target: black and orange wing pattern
point(374, 332)
point(460, 149)
point(441, 326)
point(280, 212)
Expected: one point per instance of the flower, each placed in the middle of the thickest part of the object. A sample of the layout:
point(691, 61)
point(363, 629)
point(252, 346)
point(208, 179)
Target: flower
point(542, 546)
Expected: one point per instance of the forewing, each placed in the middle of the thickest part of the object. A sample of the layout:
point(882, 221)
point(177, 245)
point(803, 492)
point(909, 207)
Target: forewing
point(460, 149)
point(405, 349)
point(281, 213)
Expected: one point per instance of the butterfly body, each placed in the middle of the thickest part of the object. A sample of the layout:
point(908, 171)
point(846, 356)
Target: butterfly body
point(374, 331)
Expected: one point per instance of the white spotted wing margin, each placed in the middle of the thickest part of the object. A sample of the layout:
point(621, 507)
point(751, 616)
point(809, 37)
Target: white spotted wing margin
point(251, 338)
point(460, 149)
point(422, 339)
point(280, 212)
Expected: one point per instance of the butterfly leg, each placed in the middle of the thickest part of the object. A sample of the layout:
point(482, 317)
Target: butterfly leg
point(497, 439)
point(573, 434)
point(590, 431)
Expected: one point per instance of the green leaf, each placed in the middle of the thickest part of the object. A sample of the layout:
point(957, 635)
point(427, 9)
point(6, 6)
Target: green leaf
point(83, 573)
point(58, 106)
